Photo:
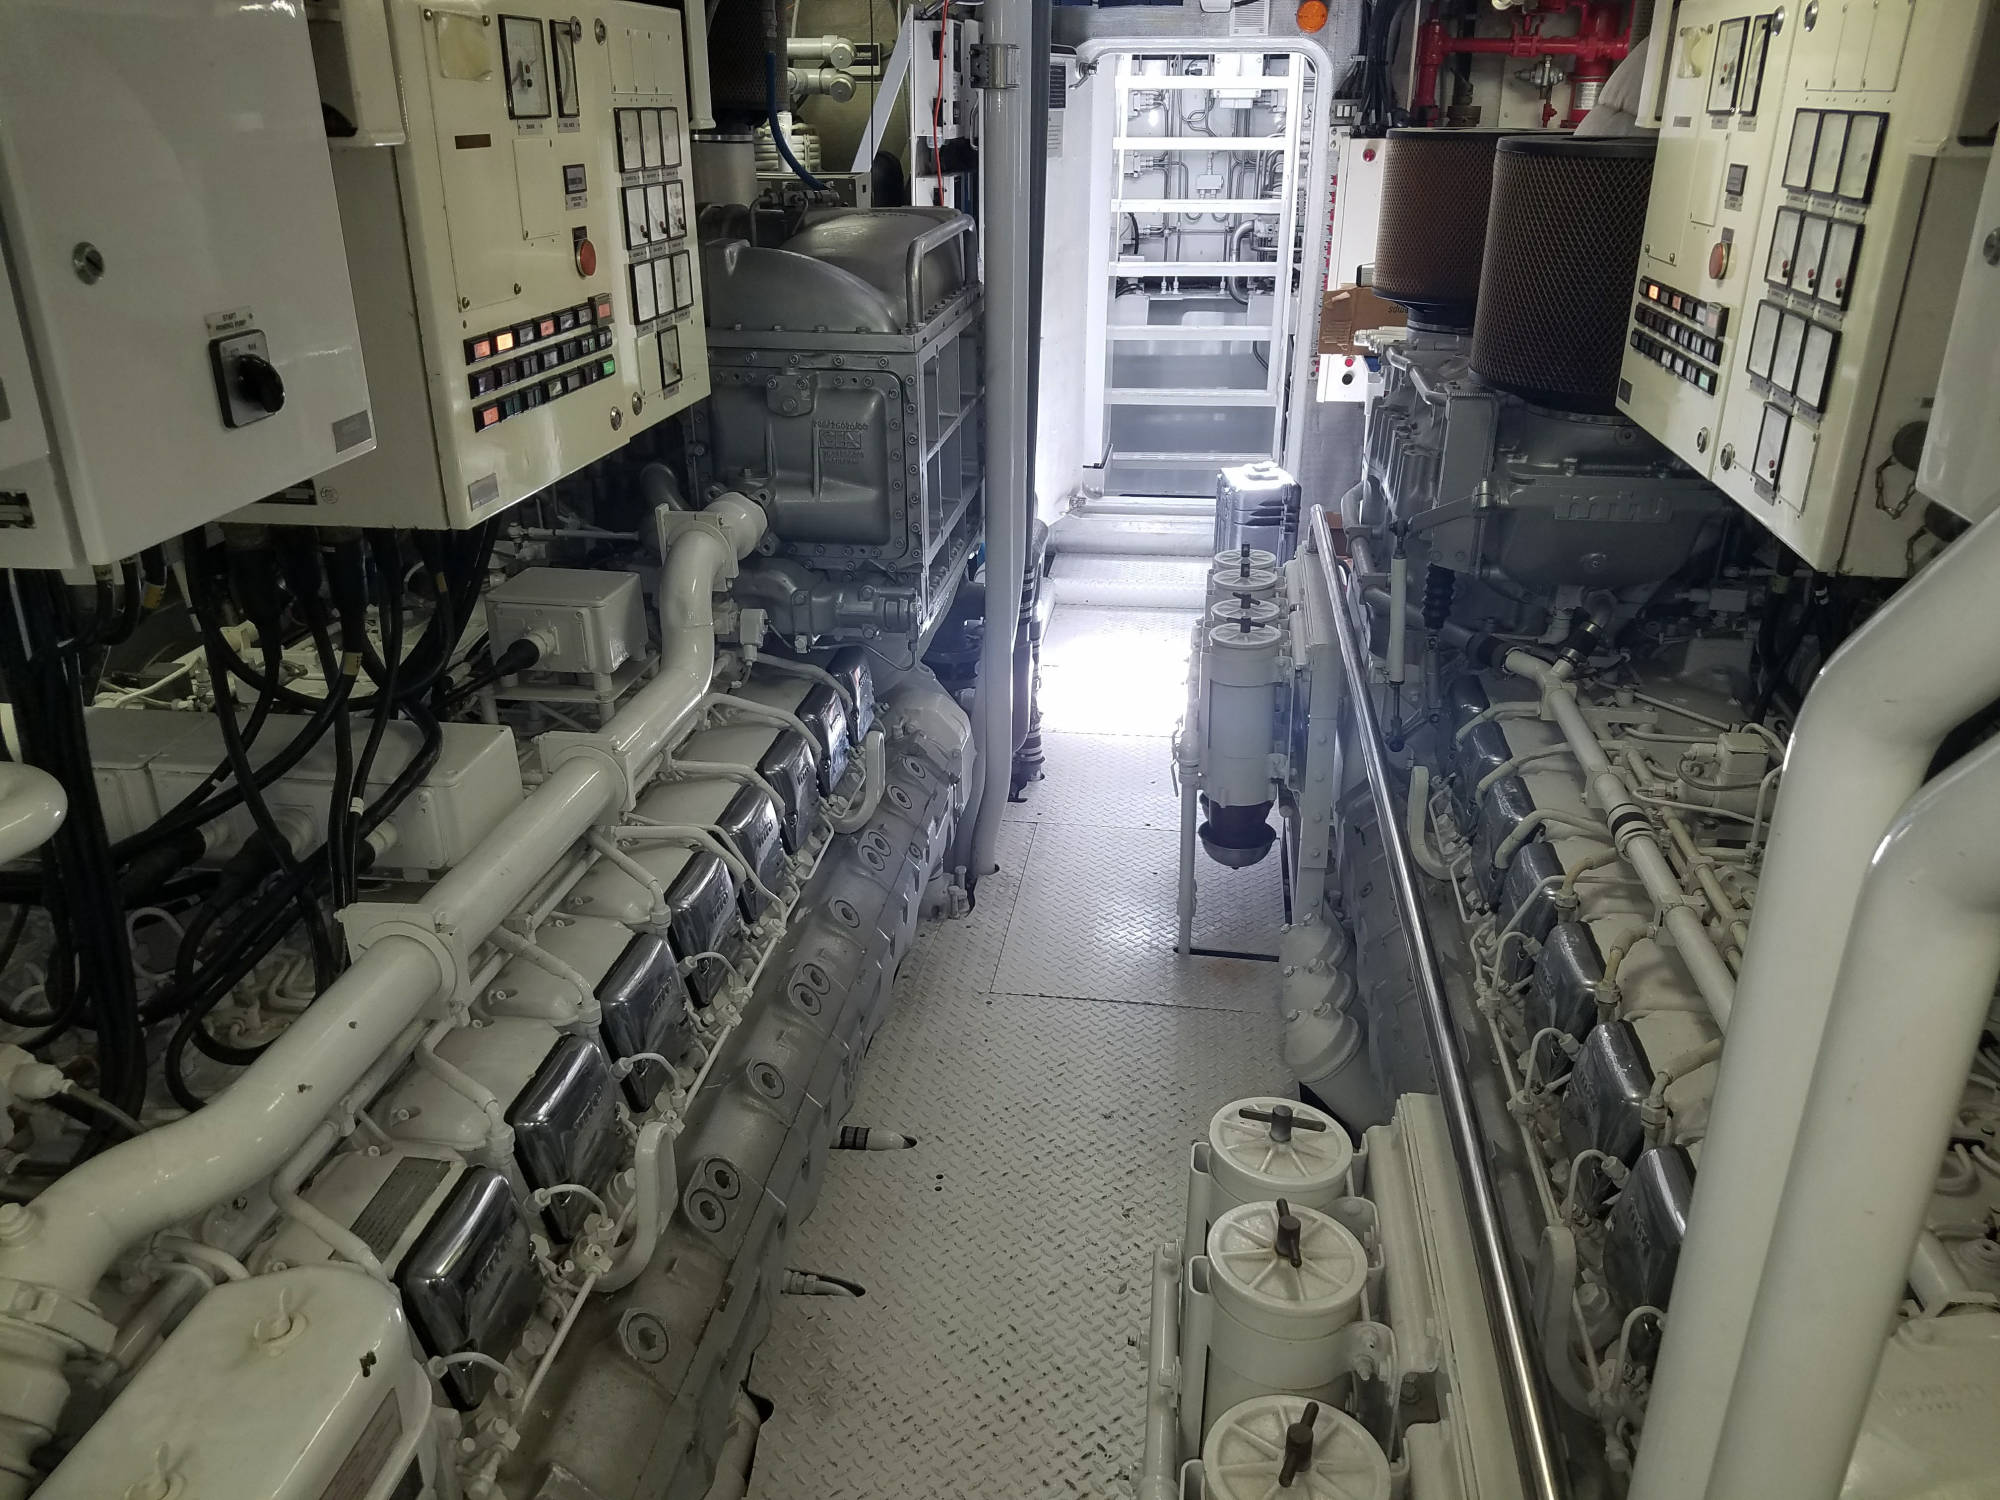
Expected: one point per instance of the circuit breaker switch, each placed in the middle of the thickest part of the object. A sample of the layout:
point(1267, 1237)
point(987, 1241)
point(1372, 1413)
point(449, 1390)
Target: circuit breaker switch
point(246, 382)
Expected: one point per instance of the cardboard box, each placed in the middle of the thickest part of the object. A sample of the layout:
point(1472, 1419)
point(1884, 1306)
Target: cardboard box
point(1349, 310)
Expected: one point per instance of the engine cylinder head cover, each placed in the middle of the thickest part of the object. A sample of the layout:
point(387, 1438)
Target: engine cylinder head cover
point(1555, 286)
point(1432, 236)
point(1261, 1149)
point(1288, 1445)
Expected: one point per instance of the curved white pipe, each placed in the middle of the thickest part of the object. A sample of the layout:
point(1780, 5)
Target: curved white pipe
point(1916, 983)
point(1157, 1466)
point(64, 1242)
point(874, 771)
point(656, 1188)
point(33, 805)
point(1864, 741)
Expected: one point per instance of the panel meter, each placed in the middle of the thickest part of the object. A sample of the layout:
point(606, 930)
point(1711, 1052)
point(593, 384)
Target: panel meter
point(522, 266)
point(1812, 199)
point(177, 336)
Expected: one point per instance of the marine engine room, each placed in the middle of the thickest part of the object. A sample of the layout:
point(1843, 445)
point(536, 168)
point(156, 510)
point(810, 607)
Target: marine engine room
point(999, 749)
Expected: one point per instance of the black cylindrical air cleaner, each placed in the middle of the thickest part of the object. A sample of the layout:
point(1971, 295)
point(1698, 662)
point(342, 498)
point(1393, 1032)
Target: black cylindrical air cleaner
point(1562, 248)
point(1432, 233)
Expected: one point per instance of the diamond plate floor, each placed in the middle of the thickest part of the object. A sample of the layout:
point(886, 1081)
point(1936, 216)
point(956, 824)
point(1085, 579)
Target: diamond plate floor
point(999, 1352)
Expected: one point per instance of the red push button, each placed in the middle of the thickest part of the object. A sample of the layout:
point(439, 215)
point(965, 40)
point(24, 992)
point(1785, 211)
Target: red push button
point(586, 258)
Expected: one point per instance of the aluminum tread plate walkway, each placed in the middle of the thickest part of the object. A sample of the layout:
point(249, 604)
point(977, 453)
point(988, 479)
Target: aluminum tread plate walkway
point(1055, 1059)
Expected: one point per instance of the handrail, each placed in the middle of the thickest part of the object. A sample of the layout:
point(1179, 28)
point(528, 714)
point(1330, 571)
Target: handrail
point(1527, 1404)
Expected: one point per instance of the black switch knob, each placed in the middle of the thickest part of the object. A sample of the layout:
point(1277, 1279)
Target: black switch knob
point(258, 382)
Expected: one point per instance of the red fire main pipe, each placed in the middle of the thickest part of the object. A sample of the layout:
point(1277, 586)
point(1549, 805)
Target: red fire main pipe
point(1598, 47)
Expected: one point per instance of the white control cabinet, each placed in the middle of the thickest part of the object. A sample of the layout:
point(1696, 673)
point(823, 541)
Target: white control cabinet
point(178, 337)
point(524, 265)
point(1818, 173)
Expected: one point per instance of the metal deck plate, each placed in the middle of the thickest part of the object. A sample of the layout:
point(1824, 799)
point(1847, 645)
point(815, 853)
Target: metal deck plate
point(999, 1352)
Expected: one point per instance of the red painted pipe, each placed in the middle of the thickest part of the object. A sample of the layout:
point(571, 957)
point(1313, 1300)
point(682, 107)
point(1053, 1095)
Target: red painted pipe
point(1598, 47)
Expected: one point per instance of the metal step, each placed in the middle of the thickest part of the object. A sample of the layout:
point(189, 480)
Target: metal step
point(1091, 582)
point(1132, 536)
point(1157, 507)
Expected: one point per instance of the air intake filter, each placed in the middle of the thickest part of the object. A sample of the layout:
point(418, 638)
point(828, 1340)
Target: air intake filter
point(1432, 233)
point(1562, 247)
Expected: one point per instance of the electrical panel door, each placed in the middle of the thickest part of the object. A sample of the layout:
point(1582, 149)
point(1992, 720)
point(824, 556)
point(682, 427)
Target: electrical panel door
point(524, 265)
point(177, 336)
point(1818, 173)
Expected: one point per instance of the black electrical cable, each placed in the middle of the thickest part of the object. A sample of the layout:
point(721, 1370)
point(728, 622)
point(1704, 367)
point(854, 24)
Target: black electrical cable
point(251, 791)
point(41, 655)
point(389, 610)
point(270, 918)
point(518, 657)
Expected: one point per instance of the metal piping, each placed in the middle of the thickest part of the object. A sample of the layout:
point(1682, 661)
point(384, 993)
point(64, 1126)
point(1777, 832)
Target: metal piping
point(1916, 983)
point(1527, 1405)
point(1004, 154)
point(1864, 742)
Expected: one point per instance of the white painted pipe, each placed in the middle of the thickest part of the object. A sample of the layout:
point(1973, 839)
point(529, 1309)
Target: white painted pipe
point(1158, 1459)
point(656, 1188)
point(1916, 983)
point(1864, 741)
point(32, 807)
point(68, 1238)
point(1004, 157)
point(874, 772)
point(1633, 834)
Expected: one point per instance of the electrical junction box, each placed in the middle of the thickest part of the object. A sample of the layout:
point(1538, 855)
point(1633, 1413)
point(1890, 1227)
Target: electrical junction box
point(1811, 203)
point(146, 760)
point(584, 620)
point(523, 264)
point(178, 337)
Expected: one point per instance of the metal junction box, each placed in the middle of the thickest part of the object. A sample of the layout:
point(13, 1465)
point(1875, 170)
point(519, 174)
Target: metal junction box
point(528, 290)
point(849, 404)
point(177, 336)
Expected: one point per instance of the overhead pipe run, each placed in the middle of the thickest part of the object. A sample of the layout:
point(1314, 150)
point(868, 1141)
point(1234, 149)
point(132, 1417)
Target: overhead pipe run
point(1863, 745)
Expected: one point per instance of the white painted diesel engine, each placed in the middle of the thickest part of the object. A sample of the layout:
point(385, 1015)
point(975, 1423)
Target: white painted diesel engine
point(1611, 832)
point(524, 1174)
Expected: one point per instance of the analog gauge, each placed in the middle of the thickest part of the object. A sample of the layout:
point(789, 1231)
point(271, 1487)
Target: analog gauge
point(522, 49)
point(562, 47)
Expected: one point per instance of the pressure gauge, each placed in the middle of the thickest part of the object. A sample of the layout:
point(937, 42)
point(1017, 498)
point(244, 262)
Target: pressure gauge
point(562, 44)
point(526, 57)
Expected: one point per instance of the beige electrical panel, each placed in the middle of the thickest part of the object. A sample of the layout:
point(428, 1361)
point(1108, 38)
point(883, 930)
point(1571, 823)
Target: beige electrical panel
point(1818, 174)
point(524, 264)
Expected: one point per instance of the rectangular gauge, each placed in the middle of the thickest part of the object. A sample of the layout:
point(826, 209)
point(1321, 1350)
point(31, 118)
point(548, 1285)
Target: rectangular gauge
point(1771, 434)
point(1756, 52)
point(1799, 154)
point(1836, 267)
point(525, 57)
point(1816, 366)
point(1812, 251)
point(1727, 70)
point(562, 45)
point(1784, 245)
point(1857, 165)
point(1828, 153)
